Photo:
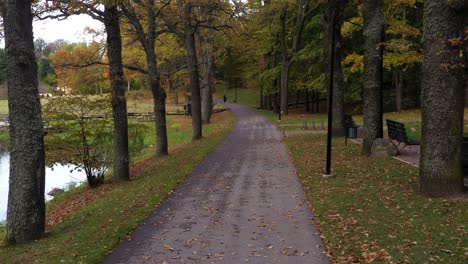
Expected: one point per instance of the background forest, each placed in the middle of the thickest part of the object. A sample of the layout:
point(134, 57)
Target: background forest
point(248, 53)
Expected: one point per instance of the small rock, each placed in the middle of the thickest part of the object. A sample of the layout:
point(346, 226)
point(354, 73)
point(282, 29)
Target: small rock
point(383, 148)
point(55, 191)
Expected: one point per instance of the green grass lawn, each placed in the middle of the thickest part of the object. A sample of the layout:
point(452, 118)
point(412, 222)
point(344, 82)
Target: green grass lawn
point(134, 104)
point(89, 234)
point(372, 211)
point(244, 96)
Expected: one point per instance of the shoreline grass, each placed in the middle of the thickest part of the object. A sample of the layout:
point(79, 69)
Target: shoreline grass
point(91, 232)
point(372, 210)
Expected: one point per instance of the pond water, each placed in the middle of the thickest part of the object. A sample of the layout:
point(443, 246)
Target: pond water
point(57, 177)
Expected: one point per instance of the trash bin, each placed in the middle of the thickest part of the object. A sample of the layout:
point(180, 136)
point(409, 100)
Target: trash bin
point(352, 132)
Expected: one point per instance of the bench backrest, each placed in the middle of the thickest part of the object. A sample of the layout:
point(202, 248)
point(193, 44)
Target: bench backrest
point(397, 131)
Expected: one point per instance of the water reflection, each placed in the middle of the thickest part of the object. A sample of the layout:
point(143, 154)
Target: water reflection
point(57, 177)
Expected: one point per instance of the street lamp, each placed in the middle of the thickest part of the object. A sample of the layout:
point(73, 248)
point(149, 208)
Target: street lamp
point(330, 94)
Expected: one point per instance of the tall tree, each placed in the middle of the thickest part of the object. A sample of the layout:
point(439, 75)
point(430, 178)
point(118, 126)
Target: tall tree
point(335, 8)
point(303, 11)
point(111, 19)
point(142, 16)
point(26, 203)
point(207, 45)
point(374, 30)
point(444, 76)
point(189, 29)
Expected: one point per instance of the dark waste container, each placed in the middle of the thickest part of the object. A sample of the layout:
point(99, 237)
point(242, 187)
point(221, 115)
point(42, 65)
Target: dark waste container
point(352, 132)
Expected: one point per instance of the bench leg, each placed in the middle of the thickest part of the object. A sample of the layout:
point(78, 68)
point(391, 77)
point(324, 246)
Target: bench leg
point(398, 147)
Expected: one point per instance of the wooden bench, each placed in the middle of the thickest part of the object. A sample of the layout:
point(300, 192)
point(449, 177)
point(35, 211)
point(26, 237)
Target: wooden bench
point(397, 132)
point(350, 127)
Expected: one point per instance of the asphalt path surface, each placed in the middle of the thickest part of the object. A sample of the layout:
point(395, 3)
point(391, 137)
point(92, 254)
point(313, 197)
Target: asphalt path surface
point(243, 204)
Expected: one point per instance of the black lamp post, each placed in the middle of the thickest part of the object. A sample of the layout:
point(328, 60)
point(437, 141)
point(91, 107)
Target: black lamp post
point(330, 94)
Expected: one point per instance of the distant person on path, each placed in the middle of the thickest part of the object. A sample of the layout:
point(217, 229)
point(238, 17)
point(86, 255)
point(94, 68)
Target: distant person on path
point(224, 98)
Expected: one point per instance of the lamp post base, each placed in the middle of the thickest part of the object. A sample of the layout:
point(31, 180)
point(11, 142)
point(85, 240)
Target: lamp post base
point(327, 175)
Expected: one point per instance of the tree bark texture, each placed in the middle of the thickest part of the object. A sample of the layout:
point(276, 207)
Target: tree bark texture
point(159, 96)
point(120, 170)
point(207, 91)
point(374, 30)
point(208, 68)
point(443, 81)
point(192, 66)
point(26, 204)
point(335, 8)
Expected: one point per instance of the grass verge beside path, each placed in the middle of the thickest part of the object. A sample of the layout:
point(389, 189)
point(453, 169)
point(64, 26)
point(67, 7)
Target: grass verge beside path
point(371, 210)
point(91, 232)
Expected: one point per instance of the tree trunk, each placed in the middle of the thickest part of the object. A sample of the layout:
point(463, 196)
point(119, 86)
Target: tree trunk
point(442, 101)
point(26, 204)
point(338, 82)
point(298, 97)
point(192, 63)
point(207, 92)
point(262, 101)
point(374, 24)
point(159, 97)
point(120, 170)
point(398, 83)
point(268, 103)
point(174, 91)
point(147, 39)
point(275, 103)
point(307, 104)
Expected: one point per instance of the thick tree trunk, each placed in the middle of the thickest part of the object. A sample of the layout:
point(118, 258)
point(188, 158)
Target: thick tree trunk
point(159, 97)
point(120, 170)
point(192, 63)
point(207, 91)
point(442, 101)
point(338, 82)
point(374, 24)
point(26, 204)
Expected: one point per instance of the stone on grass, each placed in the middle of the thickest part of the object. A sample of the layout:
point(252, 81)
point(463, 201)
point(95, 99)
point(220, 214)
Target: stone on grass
point(383, 148)
point(55, 191)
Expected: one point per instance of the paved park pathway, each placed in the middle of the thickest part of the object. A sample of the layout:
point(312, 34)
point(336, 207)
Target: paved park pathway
point(243, 204)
